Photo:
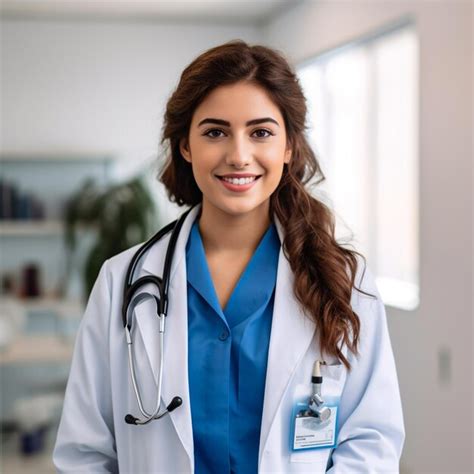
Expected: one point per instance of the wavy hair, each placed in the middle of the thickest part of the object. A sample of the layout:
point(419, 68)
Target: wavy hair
point(324, 271)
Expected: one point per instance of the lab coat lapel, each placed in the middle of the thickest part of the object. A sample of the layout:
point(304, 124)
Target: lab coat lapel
point(175, 370)
point(291, 335)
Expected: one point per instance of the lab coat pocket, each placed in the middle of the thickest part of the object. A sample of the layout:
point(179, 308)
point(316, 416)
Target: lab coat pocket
point(332, 371)
point(318, 458)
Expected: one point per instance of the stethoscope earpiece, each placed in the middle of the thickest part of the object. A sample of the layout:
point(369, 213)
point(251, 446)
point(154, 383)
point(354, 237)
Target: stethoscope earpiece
point(130, 419)
point(175, 403)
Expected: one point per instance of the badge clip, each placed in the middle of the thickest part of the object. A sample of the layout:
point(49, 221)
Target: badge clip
point(316, 402)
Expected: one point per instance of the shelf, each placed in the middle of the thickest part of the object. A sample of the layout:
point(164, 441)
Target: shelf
point(36, 350)
point(31, 228)
point(26, 228)
point(57, 157)
point(63, 307)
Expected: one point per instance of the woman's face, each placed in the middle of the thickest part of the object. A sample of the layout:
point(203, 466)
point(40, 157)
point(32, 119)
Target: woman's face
point(237, 148)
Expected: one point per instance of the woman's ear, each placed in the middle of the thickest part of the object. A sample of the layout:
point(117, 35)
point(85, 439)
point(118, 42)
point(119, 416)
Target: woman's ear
point(184, 149)
point(288, 150)
point(288, 153)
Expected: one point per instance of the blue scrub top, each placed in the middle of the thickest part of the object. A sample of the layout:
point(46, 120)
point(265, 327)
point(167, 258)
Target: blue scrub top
point(227, 357)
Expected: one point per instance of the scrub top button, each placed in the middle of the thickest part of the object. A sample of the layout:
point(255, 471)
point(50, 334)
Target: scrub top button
point(224, 335)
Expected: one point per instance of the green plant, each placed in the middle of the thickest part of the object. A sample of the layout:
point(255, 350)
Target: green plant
point(122, 216)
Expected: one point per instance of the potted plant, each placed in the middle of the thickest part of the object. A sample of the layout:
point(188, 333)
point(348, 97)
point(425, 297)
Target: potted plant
point(121, 216)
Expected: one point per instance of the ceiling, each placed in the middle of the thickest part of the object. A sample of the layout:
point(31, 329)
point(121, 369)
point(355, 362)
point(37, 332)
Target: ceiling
point(242, 11)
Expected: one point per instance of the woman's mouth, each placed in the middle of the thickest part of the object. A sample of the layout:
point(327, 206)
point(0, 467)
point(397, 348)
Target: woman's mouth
point(238, 184)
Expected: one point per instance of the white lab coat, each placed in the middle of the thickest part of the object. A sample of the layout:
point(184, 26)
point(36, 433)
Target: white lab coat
point(93, 436)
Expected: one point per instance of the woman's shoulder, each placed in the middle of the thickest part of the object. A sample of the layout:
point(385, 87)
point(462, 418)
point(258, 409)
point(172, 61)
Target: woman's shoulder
point(365, 294)
point(118, 264)
point(364, 278)
point(120, 261)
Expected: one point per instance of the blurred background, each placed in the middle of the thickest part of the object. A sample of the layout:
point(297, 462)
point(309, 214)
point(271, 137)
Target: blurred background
point(389, 89)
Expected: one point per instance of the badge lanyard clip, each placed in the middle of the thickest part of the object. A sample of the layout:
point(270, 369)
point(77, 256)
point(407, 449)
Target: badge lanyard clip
point(316, 401)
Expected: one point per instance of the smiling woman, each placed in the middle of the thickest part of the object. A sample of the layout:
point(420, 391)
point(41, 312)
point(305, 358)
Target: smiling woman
point(281, 363)
point(226, 161)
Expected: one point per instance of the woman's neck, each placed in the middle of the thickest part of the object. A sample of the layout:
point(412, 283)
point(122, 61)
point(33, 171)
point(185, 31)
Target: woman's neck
point(222, 232)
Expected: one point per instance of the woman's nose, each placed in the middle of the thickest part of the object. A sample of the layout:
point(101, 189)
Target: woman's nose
point(239, 155)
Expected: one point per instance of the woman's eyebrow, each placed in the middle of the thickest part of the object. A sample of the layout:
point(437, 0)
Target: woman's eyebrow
point(227, 124)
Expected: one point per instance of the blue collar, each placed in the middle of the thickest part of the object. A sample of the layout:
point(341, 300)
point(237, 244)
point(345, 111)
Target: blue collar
point(254, 287)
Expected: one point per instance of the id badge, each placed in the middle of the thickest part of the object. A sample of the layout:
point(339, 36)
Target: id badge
point(309, 432)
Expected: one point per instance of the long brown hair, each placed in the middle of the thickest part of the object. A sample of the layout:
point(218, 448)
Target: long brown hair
point(324, 271)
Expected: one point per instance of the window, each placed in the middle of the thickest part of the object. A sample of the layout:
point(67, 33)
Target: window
point(363, 126)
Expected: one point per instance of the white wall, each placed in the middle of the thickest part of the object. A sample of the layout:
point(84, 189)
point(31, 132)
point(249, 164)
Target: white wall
point(96, 85)
point(435, 442)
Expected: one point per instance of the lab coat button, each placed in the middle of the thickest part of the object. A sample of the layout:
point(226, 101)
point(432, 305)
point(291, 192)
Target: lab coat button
point(224, 335)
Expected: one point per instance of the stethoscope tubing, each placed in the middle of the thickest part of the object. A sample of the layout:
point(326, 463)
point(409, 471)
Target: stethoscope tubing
point(148, 417)
point(130, 300)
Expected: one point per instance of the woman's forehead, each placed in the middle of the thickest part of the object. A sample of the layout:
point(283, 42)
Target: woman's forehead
point(237, 104)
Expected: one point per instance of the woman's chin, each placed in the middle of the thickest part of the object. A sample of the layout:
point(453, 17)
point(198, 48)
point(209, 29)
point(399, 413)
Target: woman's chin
point(240, 207)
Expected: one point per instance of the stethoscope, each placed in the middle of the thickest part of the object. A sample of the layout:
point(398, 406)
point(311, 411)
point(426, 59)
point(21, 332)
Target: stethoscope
point(130, 300)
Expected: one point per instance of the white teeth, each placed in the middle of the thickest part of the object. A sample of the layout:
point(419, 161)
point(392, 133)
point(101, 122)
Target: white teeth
point(240, 181)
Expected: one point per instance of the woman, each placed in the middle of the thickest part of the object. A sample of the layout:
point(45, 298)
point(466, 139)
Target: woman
point(261, 299)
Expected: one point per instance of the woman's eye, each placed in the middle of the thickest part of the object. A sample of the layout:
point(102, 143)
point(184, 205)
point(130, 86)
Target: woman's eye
point(214, 130)
point(260, 135)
